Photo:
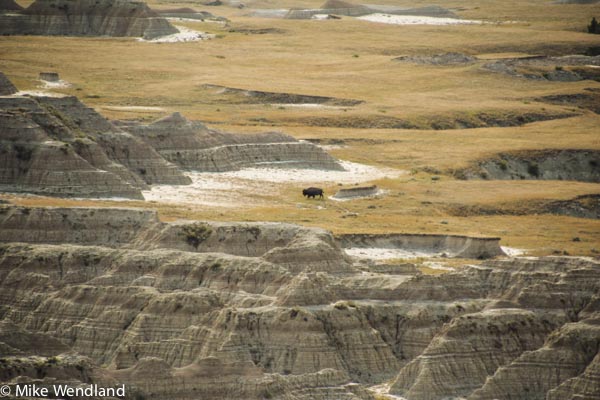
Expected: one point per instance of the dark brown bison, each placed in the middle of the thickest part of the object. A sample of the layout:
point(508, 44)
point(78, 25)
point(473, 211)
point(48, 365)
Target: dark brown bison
point(312, 192)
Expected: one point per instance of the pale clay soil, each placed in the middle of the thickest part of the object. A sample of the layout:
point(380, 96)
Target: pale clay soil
point(245, 187)
point(415, 20)
point(184, 35)
point(381, 254)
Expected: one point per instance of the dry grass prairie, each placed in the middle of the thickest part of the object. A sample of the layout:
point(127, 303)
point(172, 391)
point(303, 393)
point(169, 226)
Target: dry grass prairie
point(354, 59)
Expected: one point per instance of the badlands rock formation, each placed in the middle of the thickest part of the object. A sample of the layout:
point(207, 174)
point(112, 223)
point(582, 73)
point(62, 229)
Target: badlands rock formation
point(9, 6)
point(450, 245)
point(58, 146)
point(341, 7)
point(256, 311)
point(575, 165)
point(190, 13)
point(86, 18)
point(438, 59)
point(192, 145)
point(6, 86)
point(232, 95)
point(356, 192)
point(564, 69)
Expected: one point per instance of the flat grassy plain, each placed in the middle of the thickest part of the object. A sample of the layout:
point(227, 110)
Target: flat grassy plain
point(353, 59)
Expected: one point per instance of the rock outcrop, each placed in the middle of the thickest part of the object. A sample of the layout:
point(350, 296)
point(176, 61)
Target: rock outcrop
point(356, 192)
point(563, 69)
point(192, 145)
point(233, 95)
point(236, 310)
point(576, 165)
point(86, 18)
point(190, 13)
point(9, 6)
point(450, 245)
point(49, 76)
point(470, 349)
point(59, 147)
point(590, 100)
point(6, 86)
point(438, 59)
point(559, 366)
point(340, 7)
point(584, 206)
point(35, 161)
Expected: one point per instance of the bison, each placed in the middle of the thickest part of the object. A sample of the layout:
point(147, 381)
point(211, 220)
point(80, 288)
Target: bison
point(312, 192)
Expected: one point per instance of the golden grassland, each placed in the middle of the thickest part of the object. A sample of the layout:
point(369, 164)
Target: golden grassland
point(353, 59)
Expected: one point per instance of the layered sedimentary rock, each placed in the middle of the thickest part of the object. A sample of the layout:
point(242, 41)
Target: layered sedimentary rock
point(438, 59)
point(451, 245)
point(340, 7)
point(470, 349)
point(6, 86)
point(584, 386)
point(192, 145)
point(57, 146)
point(190, 13)
point(590, 100)
point(554, 371)
point(49, 76)
point(126, 149)
point(233, 95)
point(356, 192)
point(36, 160)
point(86, 18)
point(569, 164)
point(563, 69)
point(227, 310)
point(9, 6)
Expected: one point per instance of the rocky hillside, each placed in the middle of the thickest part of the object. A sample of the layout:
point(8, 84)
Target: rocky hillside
point(6, 86)
point(190, 144)
point(9, 6)
point(85, 18)
point(57, 146)
point(267, 310)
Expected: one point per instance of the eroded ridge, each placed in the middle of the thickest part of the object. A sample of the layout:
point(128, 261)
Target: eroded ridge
point(270, 310)
point(57, 146)
point(545, 164)
point(192, 145)
point(85, 18)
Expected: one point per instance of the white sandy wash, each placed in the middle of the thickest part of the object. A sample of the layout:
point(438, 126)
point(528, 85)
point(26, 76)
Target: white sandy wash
point(247, 186)
point(133, 108)
point(415, 20)
point(40, 93)
point(184, 35)
point(383, 391)
point(55, 85)
point(378, 193)
point(512, 252)
point(378, 253)
point(179, 19)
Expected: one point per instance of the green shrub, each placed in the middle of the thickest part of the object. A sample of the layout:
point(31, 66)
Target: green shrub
point(196, 234)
